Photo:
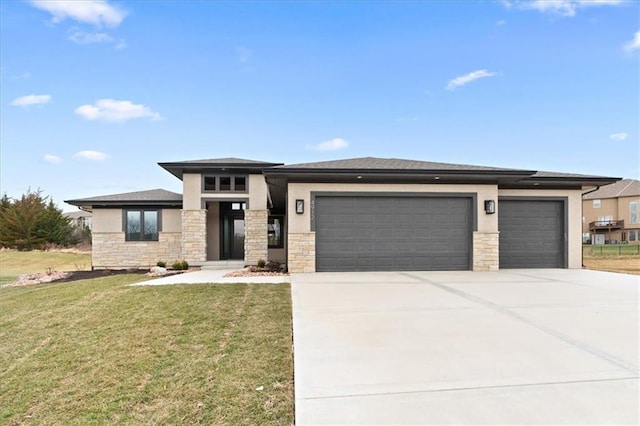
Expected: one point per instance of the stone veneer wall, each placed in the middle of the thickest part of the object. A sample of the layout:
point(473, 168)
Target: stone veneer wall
point(302, 252)
point(111, 251)
point(194, 235)
point(486, 251)
point(256, 243)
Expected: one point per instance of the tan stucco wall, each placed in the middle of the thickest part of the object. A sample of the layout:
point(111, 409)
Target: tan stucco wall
point(171, 220)
point(574, 215)
point(107, 220)
point(257, 192)
point(191, 187)
point(301, 223)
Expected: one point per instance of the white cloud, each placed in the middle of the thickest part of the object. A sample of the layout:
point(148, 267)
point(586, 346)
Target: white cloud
point(559, 7)
point(25, 101)
point(501, 22)
point(618, 136)
point(468, 78)
point(81, 37)
point(121, 45)
point(634, 44)
point(24, 76)
point(331, 145)
point(96, 12)
point(114, 110)
point(53, 159)
point(91, 155)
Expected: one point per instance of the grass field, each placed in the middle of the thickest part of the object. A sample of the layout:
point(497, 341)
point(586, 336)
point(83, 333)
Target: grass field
point(100, 352)
point(623, 264)
point(14, 263)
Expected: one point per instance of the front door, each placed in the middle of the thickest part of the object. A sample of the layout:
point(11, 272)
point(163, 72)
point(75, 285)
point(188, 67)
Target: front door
point(232, 227)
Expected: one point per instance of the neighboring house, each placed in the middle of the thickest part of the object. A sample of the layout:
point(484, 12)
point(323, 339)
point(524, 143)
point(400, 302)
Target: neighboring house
point(79, 220)
point(347, 215)
point(611, 214)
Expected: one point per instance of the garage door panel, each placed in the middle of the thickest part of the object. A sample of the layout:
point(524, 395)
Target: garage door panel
point(531, 233)
point(392, 233)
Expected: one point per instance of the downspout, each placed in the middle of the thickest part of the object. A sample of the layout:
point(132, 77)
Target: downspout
point(583, 194)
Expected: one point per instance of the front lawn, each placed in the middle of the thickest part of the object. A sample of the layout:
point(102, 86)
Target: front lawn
point(14, 263)
point(99, 352)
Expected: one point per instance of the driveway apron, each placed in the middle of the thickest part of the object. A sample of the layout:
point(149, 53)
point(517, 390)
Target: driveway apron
point(546, 346)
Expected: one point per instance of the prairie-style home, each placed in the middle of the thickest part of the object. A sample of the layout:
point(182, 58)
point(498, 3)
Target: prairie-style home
point(611, 214)
point(360, 214)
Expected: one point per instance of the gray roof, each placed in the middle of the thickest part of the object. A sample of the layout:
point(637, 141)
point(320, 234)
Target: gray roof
point(76, 214)
point(178, 168)
point(623, 188)
point(373, 163)
point(154, 196)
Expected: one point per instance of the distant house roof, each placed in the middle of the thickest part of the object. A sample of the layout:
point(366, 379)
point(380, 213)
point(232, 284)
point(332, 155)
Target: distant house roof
point(623, 188)
point(77, 214)
point(237, 165)
point(156, 197)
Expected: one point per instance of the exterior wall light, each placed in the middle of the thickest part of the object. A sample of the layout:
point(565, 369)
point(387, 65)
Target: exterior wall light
point(299, 206)
point(489, 206)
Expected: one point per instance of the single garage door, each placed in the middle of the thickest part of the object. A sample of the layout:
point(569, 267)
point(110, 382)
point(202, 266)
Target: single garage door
point(531, 233)
point(391, 233)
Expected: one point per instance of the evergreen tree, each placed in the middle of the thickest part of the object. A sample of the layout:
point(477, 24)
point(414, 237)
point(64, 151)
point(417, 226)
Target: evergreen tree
point(31, 222)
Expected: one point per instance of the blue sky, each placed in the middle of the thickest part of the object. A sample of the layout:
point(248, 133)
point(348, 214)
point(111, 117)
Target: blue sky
point(96, 93)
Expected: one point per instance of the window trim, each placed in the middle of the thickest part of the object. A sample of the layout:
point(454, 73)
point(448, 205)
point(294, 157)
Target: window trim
point(232, 188)
point(141, 210)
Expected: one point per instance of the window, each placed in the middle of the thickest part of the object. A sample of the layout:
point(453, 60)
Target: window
point(596, 204)
point(634, 214)
point(632, 235)
point(274, 231)
point(141, 225)
point(224, 184)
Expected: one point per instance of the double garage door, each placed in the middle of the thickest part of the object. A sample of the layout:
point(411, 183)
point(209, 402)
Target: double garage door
point(380, 233)
point(395, 233)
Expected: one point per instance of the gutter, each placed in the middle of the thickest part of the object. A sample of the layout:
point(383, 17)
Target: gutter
point(591, 190)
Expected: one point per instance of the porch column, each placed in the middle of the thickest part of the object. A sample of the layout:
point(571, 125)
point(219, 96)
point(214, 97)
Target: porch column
point(194, 236)
point(255, 238)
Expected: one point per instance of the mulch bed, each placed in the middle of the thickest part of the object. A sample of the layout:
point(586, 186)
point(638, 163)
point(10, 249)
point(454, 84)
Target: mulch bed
point(99, 273)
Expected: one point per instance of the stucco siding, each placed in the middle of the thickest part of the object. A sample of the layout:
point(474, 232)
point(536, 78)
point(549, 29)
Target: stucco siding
point(107, 220)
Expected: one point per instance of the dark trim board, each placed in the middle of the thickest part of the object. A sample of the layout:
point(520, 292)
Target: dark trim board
point(563, 249)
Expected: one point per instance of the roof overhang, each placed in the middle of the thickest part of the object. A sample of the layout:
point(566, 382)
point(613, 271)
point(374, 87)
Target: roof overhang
point(89, 205)
point(178, 169)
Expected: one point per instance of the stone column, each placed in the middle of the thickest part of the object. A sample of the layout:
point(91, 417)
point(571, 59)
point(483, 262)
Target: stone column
point(194, 236)
point(486, 251)
point(302, 252)
point(256, 244)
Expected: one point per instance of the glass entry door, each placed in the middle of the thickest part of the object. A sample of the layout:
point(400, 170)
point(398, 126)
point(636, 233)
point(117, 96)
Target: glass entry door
point(232, 235)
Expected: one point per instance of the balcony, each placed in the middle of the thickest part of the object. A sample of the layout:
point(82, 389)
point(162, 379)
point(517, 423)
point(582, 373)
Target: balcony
point(606, 225)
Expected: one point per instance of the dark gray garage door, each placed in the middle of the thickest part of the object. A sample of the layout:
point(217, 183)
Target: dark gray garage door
point(379, 233)
point(531, 233)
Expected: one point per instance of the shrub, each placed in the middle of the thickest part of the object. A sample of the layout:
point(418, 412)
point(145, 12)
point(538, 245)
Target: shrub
point(161, 263)
point(261, 263)
point(180, 265)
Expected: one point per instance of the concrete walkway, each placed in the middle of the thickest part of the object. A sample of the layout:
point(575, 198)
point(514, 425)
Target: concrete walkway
point(508, 347)
point(213, 277)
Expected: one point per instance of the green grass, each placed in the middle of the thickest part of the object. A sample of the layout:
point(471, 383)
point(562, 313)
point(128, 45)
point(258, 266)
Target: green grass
point(99, 352)
point(14, 263)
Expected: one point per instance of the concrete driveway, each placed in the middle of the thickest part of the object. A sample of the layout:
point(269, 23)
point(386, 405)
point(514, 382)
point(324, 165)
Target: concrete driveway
point(509, 347)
